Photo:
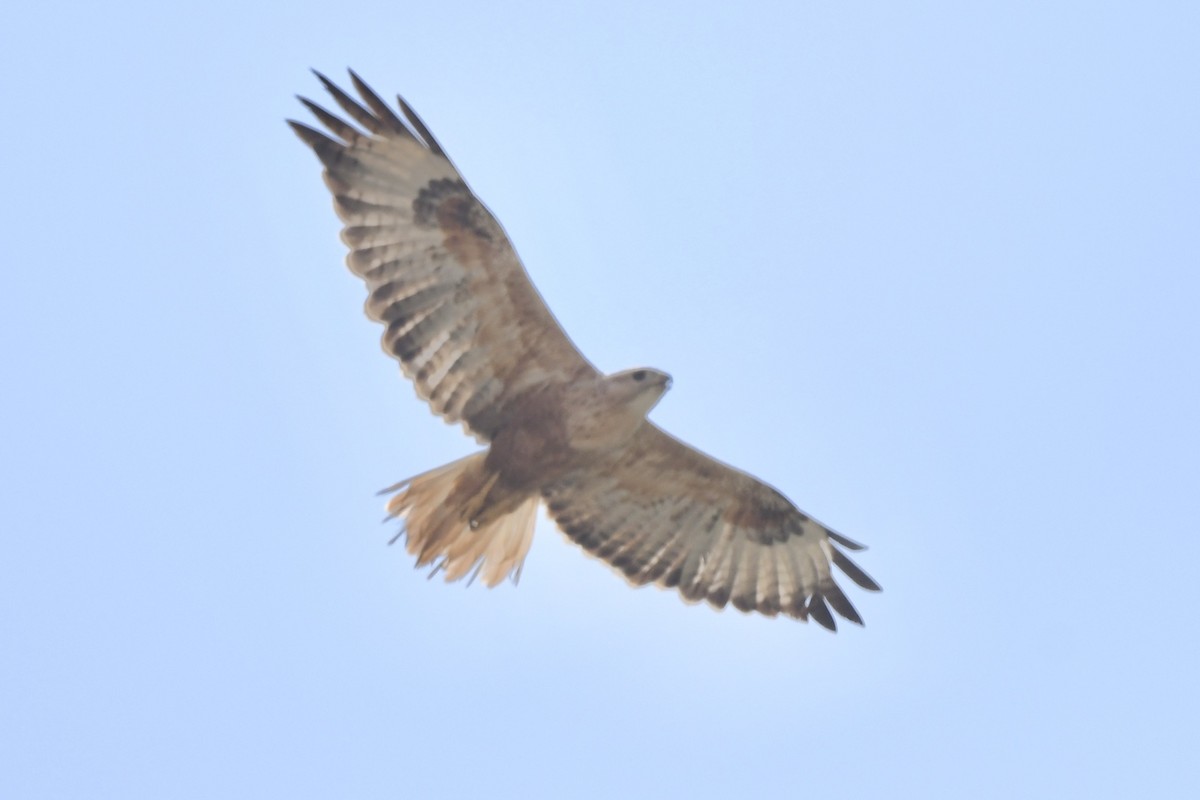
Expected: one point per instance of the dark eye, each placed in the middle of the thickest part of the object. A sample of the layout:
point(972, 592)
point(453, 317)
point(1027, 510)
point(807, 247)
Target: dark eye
point(639, 375)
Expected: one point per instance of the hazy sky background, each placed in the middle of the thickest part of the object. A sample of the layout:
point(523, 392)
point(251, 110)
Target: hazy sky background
point(930, 268)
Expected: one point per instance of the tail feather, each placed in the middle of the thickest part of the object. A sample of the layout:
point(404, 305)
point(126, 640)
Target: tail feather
point(460, 518)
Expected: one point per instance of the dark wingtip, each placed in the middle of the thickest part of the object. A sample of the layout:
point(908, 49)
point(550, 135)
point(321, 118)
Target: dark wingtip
point(849, 544)
point(377, 105)
point(841, 604)
point(331, 121)
point(421, 128)
point(329, 152)
point(820, 612)
point(311, 136)
point(853, 571)
point(329, 85)
point(358, 82)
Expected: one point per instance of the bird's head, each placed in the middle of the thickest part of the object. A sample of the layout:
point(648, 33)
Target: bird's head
point(639, 389)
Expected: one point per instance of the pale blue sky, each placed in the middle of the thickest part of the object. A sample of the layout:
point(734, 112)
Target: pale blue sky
point(929, 268)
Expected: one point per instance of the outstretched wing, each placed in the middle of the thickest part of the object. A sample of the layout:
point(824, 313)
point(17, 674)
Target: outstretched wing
point(461, 314)
point(663, 512)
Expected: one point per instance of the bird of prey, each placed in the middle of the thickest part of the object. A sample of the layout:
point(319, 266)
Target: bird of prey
point(472, 333)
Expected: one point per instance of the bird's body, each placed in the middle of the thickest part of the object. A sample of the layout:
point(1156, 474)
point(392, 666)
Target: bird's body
point(470, 330)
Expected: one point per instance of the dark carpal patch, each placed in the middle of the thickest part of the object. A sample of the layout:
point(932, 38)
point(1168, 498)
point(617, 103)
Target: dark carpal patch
point(470, 234)
point(762, 521)
point(448, 204)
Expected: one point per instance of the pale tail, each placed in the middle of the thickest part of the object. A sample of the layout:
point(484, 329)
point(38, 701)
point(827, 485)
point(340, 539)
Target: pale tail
point(457, 518)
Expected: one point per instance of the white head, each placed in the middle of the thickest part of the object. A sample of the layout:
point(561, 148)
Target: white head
point(639, 389)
